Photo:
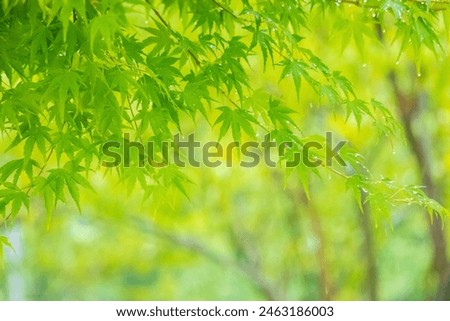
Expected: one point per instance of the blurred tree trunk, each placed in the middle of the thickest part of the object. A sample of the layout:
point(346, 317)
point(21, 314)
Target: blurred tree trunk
point(326, 285)
point(408, 106)
point(369, 249)
point(327, 288)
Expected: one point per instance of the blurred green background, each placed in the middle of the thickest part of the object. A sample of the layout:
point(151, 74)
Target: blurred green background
point(245, 234)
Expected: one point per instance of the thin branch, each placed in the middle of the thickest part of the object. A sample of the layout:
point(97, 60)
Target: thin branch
point(231, 13)
point(27, 192)
point(201, 249)
point(251, 260)
point(197, 61)
point(335, 171)
point(166, 24)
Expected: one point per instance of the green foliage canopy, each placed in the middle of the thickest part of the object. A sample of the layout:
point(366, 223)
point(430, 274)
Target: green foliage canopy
point(75, 74)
